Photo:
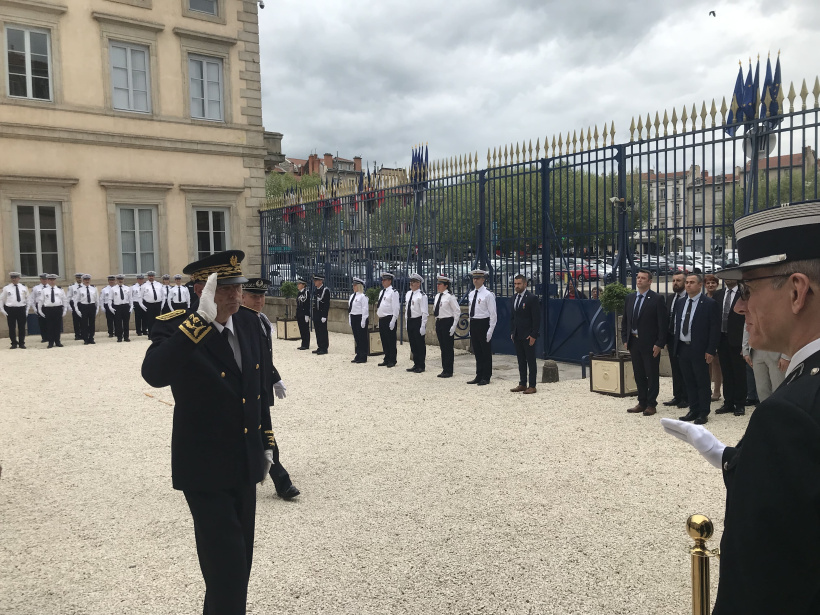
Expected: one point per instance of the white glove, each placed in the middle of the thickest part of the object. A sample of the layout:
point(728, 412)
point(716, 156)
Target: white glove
point(307, 319)
point(279, 388)
point(268, 461)
point(349, 321)
point(393, 324)
point(453, 330)
point(324, 319)
point(699, 437)
point(364, 323)
point(207, 306)
point(65, 312)
point(422, 331)
point(97, 312)
point(40, 312)
point(489, 335)
point(78, 313)
point(3, 312)
point(131, 311)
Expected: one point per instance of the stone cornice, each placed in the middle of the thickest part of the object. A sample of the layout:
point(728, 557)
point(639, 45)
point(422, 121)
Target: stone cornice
point(212, 189)
point(153, 26)
point(31, 179)
point(119, 183)
point(204, 36)
point(38, 5)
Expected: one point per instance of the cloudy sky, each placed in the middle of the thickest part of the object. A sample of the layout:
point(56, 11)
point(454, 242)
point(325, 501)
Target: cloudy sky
point(374, 78)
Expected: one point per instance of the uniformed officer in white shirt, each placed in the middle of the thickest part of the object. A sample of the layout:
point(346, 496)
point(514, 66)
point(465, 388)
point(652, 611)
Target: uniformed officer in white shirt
point(416, 313)
point(14, 306)
point(151, 300)
point(483, 319)
point(388, 306)
point(357, 313)
point(69, 292)
point(53, 308)
point(35, 301)
point(139, 313)
point(447, 312)
point(179, 297)
point(103, 303)
point(166, 287)
point(119, 302)
point(86, 304)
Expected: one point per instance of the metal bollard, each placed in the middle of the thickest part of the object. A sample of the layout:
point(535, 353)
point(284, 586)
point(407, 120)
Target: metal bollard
point(700, 529)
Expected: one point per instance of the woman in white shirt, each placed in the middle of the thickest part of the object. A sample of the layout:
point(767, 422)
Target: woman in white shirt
point(357, 309)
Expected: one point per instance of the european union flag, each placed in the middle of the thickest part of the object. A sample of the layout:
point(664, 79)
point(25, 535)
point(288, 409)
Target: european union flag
point(749, 96)
point(733, 121)
point(773, 87)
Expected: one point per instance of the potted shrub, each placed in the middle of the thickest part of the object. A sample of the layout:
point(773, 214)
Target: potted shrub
point(612, 374)
point(374, 337)
point(287, 328)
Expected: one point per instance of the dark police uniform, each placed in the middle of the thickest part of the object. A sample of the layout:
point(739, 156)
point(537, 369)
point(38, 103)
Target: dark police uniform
point(321, 309)
point(303, 315)
point(221, 413)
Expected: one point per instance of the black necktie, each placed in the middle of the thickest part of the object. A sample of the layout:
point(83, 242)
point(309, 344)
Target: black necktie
point(438, 303)
point(155, 291)
point(472, 305)
point(727, 306)
point(518, 301)
point(52, 295)
point(410, 305)
point(178, 297)
point(636, 312)
point(122, 297)
point(685, 329)
point(381, 296)
point(17, 290)
point(350, 305)
point(88, 294)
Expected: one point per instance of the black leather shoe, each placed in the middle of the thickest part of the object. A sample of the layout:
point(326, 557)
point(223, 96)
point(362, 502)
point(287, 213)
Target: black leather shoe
point(725, 409)
point(316, 351)
point(50, 345)
point(473, 381)
point(481, 383)
point(289, 493)
point(303, 348)
point(22, 346)
point(58, 344)
point(445, 375)
point(118, 341)
point(701, 420)
point(672, 402)
point(740, 412)
point(85, 343)
point(92, 342)
point(418, 370)
point(690, 416)
point(411, 369)
point(321, 352)
point(382, 364)
point(110, 335)
point(683, 404)
point(390, 365)
point(126, 340)
point(13, 346)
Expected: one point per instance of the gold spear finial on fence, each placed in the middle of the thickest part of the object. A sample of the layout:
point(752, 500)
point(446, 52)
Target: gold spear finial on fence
point(816, 92)
point(657, 125)
point(665, 123)
point(694, 116)
point(632, 130)
point(517, 152)
point(713, 112)
point(567, 142)
point(684, 117)
point(612, 133)
point(589, 137)
point(723, 110)
point(595, 136)
point(674, 121)
point(553, 146)
point(640, 129)
point(703, 114)
point(574, 142)
point(538, 148)
point(560, 144)
point(804, 94)
point(791, 96)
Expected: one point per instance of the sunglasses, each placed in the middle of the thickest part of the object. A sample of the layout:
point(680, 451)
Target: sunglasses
point(744, 292)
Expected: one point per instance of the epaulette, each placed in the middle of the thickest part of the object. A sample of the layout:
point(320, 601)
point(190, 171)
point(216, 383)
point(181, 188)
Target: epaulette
point(170, 315)
point(248, 308)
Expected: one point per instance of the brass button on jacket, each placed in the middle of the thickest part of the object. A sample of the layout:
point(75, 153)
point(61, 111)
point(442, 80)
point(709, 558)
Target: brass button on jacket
point(222, 374)
point(246, 430)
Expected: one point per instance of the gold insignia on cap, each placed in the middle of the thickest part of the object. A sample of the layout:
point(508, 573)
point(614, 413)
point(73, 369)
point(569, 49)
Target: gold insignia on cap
point(233, 261)
point(195, 328)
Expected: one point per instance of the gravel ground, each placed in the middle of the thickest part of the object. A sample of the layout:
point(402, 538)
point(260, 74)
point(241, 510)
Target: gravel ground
point(420, 495)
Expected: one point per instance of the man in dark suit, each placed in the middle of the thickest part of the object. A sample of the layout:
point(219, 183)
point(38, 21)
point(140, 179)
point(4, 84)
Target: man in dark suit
point(525, 325)
point(772, 475)
point(213, 360)
point(697, 331)
point(643, 329)
point(730, 350)
point(321, 310)
point(679, 394)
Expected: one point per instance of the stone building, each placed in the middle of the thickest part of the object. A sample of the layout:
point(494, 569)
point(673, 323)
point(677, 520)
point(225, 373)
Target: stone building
point(131, 135)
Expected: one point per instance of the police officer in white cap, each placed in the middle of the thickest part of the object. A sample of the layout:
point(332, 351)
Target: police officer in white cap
point(303, 313)
point(119, 302)
point(483, 319)
point(35, 302)
point(53, 309)
point(416, 313)
point(357, 313)
point(139, 313)
point(14, 306)
point(772, 475)
point(179, 297)
point(86, 304)
point(70, 292)
point(447, 312)
point(166, 288)
point(151, 299)
point(105, 293)
point(388, 306)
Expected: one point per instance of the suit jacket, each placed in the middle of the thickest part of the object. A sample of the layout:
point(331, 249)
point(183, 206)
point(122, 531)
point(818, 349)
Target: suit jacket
point(705, 325)
point(736, 323)
point(321, 302)
point(270, 371)
point(220, 412)
point(772, 482)
point(303, 304)
point(652, 322)
point(526, 320)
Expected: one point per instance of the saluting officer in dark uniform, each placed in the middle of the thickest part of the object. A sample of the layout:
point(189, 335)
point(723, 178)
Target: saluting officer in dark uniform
point(214, 361)
point(253, 297)
point(321, 309)
point(303, 313)
point(772, 475)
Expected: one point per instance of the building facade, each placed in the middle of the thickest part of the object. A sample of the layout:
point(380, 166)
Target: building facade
point(131, 135)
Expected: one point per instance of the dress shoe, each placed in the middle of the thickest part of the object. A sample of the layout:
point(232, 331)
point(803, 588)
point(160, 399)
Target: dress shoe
point(411, 369)
point(289, 493)
point(126, 340)
point(752, 402)
point(390, 365)
point(322, 352)
point(382, 364)
point(303, 348)
point(740, 412)
point(58, 344)
point(445, 375)
point(518, 389)
point(110, 335)
point(635, 410)
point(22, 346)
point(725, 409)
point(50, 345)
point(690, 416)
point(118, 341)
point(672, 402)
point(481, 383)
point(529, 391)
point(474, 381)
point(86, 343)
point(316, 351)
point(701, 420)
point(649, 411)
point(13, 346)
point(43, 341)
point(91, 342)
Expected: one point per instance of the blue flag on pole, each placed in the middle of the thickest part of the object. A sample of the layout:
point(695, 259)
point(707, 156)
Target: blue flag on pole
point(748, 96)
point(733, 121)
point(774, 92)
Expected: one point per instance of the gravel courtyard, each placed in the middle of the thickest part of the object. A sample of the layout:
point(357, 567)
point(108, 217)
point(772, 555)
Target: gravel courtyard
point(419, 495)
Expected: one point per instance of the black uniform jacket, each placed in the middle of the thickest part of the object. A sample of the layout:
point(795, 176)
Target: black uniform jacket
point(770, 549)
point(321, 302)
point(270, 372)
point(652, 323)
point(736, 323)
point(526, 320)
point(705, 325)
point(220, 414)
point(302, 304)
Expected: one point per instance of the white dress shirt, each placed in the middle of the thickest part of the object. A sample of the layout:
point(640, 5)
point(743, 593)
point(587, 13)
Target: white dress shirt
point(104, 293)
point(71, 291)
point(390, 304)
point(60, 298)
point(147, 293)
point(136, 292)
point(9, 296)
point(87, 295)
point(358, 304)
point(447, 308)
point(484, 307)
point(179, 294)
point(417, 301)
point(35, 299)
point(232, 339)
point(695, 301)
point(801, 355)
point(119, 295)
